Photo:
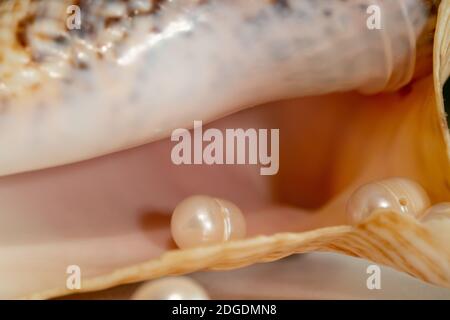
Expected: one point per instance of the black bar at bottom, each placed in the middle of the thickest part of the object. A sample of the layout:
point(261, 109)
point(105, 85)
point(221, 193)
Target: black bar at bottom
point(223, 309)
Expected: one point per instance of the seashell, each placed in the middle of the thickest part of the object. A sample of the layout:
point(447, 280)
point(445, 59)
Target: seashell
point(353, 107)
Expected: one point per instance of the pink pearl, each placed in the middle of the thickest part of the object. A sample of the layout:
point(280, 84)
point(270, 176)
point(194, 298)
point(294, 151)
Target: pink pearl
point(397, 194)
point(437, 212)
point(173, 288)
point(202, 220)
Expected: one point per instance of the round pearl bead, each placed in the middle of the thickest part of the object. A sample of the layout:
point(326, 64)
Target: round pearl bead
point(202, 220)
point(398, 194)
point(174, 288)
point(438, 211)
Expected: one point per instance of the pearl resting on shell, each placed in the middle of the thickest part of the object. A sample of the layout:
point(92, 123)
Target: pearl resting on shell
point(397, 194)
point(438, 211)
point(202, 220)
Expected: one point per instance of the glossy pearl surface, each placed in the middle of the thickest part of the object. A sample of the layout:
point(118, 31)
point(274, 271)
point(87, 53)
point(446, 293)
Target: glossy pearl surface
point(173, 288)
point(437, 212)
point(202, 220)
point(398, 194)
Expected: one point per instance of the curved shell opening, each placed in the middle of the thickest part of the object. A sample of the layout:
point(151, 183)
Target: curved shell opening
point(113, 212)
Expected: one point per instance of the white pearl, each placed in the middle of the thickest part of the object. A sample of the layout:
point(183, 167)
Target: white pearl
point(437, 212)
point(202, 220)
point(173, 288)
point(398, 194)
